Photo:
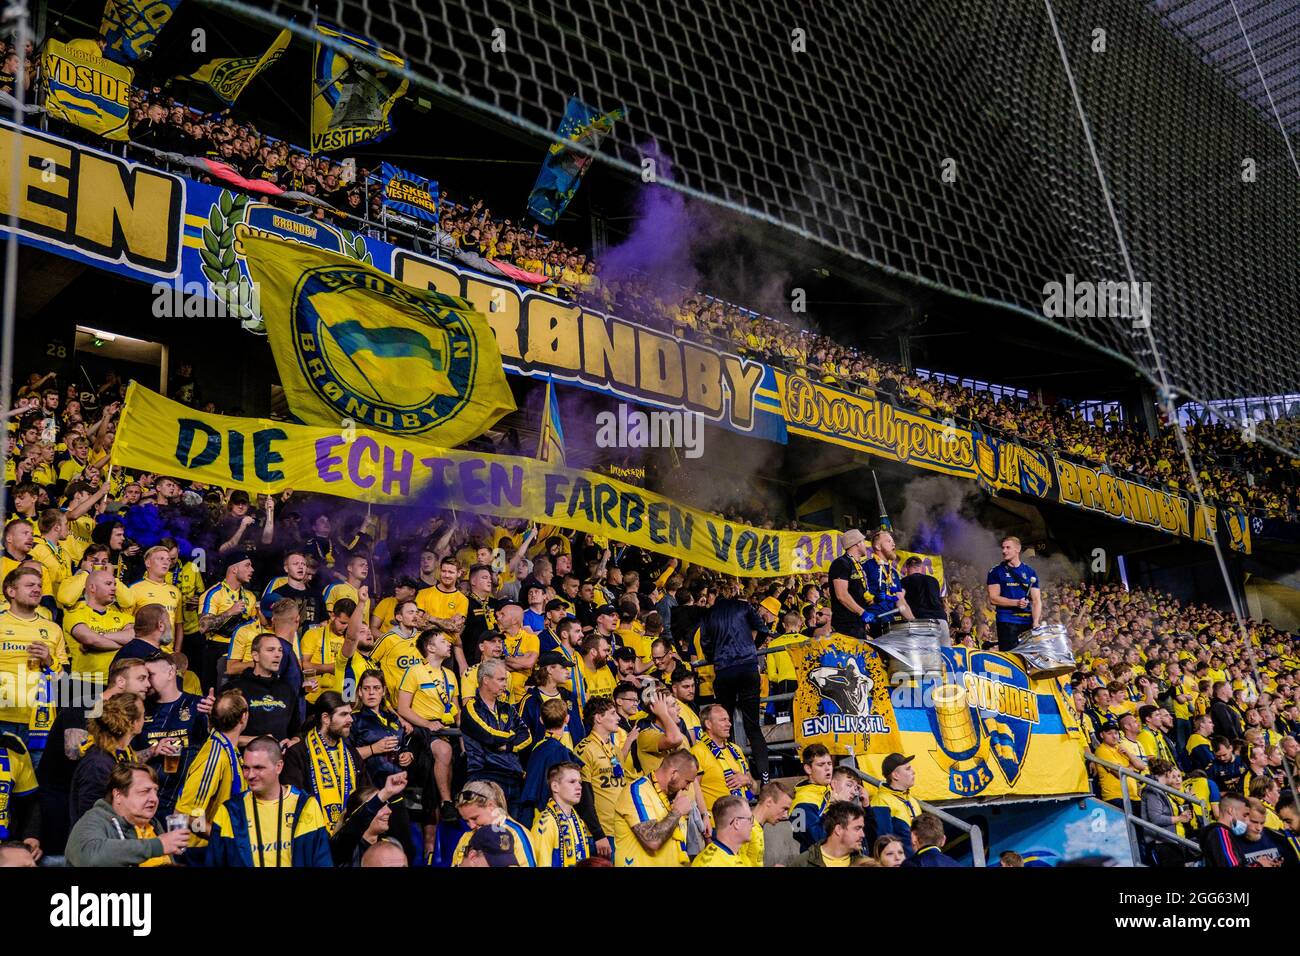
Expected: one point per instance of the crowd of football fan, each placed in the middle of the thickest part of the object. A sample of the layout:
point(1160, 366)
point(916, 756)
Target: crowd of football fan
point(1234, 469)
point(195, 668)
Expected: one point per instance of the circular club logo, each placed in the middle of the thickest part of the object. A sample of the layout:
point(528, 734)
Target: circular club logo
point(408, 377)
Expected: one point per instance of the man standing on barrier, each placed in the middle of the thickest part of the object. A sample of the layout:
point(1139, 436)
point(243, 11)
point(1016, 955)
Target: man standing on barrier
point(884, 583)
point(1014, 592)
point(848, 587)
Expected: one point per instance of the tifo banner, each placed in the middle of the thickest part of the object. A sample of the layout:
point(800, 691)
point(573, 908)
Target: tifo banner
point(129, 27)
point(351, 99)
point(228, 76)
point(842, 698)
point(151, 225)
point(980, 728)
point(86, 90)
point(563, 168)
point(263, 456)
point(353, 344)
point(1043, 476)
point(866, 423)
point(409, 195)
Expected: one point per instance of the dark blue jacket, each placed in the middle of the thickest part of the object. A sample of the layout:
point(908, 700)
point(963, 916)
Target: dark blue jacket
point(493, 738)
point(725, 634)
point(235, 848)
point(369, 727)
point(930, 856)
point(530, 712)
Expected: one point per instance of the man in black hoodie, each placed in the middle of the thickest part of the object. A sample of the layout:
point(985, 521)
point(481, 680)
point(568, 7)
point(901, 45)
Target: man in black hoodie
point(272, 702)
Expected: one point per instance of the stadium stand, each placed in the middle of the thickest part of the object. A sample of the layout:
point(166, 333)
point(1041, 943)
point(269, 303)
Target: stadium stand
point(451, 688)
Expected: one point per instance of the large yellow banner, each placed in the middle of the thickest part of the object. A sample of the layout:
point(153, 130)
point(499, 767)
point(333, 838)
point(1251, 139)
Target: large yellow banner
point(263, 456)
point(978, 726)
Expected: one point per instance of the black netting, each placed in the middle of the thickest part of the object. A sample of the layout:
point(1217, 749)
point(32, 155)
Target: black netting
point(846, 143)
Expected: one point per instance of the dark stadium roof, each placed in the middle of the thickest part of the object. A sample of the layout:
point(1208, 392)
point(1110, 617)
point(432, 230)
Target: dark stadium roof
point(1273, 28)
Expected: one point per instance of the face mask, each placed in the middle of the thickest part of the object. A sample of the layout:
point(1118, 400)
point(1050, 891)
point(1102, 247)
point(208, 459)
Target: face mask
point(1238, 828)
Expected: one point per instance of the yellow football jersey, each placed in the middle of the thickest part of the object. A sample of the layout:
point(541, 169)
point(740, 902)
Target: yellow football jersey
point(16, 634)
point(112, 618)
point(715, 854)
point(643, 801)
point(17, 778)
point(167, 594)
point(393, 654)
point(718, 766)
point(214, 776)
point(607, 774)
point(269, 854)
point(55, 559)
point(522, 643)
point(433, 694)
point(438, 603)
point(336, 592)
point(320, 645)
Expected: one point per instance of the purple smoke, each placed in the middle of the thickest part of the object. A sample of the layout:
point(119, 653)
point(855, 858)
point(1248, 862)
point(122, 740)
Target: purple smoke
point(659, 248)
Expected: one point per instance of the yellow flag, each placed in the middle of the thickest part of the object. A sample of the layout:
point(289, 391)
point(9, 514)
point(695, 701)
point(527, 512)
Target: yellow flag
point(355, 345)
point(87, 90)
point(228, 76)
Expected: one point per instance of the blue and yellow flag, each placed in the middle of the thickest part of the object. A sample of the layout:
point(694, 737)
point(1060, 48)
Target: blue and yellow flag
point(550, 442)
point(563, 168)
point(408, 194)
point(352, 343)
point(129, 27)
point(86, 90)
point(351, 99)
point(228, 76)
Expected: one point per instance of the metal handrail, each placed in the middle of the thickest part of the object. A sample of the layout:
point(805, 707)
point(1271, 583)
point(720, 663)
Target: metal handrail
point(972, 831)
point(1132, 821)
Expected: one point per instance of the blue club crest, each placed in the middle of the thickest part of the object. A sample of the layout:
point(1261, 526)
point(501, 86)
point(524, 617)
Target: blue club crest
point(982, 708)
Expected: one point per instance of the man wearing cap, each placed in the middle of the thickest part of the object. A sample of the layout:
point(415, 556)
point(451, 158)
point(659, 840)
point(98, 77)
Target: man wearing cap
point(490, 846)
point(606, 616)
point(848, 586)
point(548, 638)
point(893, 806)
point(549, 674)
point(224, 608)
